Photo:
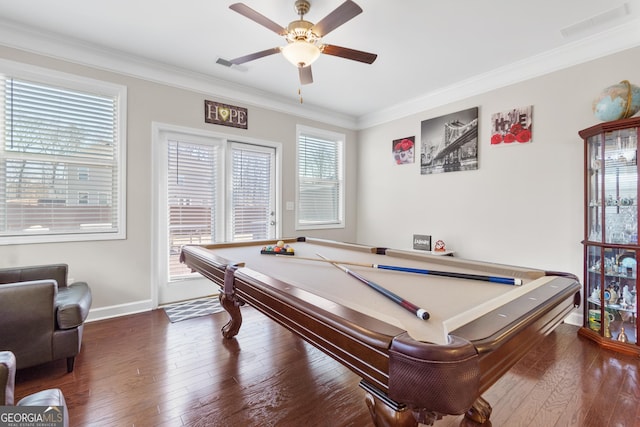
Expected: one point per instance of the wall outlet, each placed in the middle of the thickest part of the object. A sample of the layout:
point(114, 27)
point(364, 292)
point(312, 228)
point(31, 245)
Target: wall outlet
point(290, 206)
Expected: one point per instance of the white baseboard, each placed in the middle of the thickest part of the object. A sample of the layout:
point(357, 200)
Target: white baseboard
point(575, 318)
point(119, 310)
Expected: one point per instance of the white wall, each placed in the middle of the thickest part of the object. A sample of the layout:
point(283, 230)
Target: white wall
point(523, 205)
point(119, 272)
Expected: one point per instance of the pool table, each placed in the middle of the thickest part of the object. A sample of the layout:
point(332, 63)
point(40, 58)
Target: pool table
point(413, 370)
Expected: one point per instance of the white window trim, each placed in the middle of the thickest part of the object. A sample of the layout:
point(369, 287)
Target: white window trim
point(71, 81)
point(335, 136)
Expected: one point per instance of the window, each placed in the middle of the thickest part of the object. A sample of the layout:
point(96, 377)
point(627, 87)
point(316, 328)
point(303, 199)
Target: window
point(320, 190)
point(61, 158)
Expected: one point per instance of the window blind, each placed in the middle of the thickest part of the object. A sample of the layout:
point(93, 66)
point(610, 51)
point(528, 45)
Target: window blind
point(59, 160)
point(191, 196)
point(319, 180)
point(252, 210)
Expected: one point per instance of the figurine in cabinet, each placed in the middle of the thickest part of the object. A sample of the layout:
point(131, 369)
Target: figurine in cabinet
point(627, 298)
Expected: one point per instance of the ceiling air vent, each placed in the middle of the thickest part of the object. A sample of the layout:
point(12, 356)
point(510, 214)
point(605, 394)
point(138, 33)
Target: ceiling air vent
point(596, 21)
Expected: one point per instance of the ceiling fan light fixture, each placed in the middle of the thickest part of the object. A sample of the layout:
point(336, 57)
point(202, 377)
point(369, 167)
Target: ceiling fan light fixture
point(304, 39)
point(301, 53)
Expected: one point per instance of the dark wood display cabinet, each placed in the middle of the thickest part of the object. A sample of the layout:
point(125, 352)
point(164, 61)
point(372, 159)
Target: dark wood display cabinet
point(611, 234)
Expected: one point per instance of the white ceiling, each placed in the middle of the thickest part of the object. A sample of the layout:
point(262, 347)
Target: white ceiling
point(427, 50)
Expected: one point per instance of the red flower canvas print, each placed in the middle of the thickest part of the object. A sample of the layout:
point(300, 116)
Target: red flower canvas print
point(512, 127)
point(403, 150)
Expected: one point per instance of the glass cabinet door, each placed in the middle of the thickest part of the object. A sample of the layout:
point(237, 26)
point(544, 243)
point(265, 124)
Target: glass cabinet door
point(610, 284)
point(595, 172)
point(619, 176)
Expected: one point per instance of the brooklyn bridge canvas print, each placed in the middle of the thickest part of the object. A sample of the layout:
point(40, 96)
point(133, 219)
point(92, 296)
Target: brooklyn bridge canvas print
point(450, 143)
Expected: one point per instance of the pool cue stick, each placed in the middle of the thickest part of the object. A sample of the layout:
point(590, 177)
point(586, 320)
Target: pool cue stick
point(421, 313)
point(493, 279)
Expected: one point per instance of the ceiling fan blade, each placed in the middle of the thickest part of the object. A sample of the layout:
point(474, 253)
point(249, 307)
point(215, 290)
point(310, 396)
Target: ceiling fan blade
point(305, 75)
point(246, 11)
point(344, 52)
point(339, 16)
point(256, 55)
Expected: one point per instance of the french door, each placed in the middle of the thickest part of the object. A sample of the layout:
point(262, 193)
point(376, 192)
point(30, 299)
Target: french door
point(210, 189)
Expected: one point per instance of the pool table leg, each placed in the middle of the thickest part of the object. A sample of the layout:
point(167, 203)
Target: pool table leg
point(479, 412)
point(385, 416)
point(232, 306)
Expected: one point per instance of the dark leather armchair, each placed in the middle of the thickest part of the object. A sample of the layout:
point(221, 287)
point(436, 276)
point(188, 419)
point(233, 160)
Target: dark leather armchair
point(47, 398)
point(41, 317)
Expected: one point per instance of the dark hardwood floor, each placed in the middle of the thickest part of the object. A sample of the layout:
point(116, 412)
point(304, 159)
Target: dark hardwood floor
point(142, 370)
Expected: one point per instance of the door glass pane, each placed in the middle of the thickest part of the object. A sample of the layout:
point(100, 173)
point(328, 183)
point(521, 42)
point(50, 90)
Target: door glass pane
point(191, 196)
point(252, 193)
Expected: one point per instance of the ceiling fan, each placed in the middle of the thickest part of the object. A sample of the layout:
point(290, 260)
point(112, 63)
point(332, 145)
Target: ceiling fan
point(304, 38)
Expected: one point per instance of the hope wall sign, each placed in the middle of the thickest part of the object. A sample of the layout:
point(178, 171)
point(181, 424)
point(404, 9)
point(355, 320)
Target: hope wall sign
point(225, 115)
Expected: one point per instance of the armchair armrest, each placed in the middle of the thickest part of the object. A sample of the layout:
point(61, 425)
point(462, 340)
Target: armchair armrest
point(7, 377)
point(72, 304)
point(27, 316)
point(30, 301)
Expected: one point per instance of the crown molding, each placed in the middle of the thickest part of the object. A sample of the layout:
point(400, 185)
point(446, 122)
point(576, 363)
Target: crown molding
point(55, 46)
point(606, 43)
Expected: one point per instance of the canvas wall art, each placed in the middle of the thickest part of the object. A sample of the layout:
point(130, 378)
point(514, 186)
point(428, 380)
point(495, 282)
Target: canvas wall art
point(450, 143)
point(404, 150)
point(512, 127)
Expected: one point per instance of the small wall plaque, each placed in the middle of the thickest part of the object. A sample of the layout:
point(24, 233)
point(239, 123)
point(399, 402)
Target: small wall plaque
point(421, 242)
point(225, 115)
